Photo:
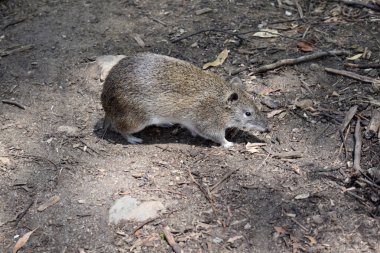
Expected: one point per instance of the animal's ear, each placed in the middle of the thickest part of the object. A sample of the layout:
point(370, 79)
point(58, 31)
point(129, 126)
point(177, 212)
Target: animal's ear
point(233, 98)
point(237, 82)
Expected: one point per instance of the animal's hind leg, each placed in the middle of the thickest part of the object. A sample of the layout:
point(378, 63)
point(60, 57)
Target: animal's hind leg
point(126, 127)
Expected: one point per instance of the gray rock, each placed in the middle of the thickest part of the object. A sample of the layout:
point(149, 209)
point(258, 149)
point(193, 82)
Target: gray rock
point(131, 209)
point(68, 130)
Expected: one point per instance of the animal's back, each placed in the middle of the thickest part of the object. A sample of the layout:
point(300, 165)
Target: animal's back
point(157, 83)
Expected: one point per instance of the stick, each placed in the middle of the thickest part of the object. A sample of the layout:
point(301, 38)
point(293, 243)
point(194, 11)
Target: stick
point(10, 102)
point(373, 7)
point(143, 224)
point(206, 194)
point(213, 188)
point(358, 147)
point(363, 66)
point(170, 239)
point(293, 61)
point(299, 8)
point(288, 155)
point(15, 50)
point(374, 124)
point(366, 79)
point(299, 224)
point(205, 31)
point(347, 119)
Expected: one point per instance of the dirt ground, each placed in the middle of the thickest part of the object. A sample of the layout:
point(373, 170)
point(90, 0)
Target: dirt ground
point(313, 202)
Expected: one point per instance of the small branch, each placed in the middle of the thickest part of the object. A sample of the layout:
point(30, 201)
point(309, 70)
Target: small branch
point(368, 182)
point(363, 66)
point(143, 224)
point(214, 188)
point(170, 239)
point(374, 125)
point(299, 8)
point(373, 7)
point(15, 50)
point(347, 119)
point(293, 61)
point(366, 79)
point(358, 148)
point(205, 31)
point(284, 155)
point(206, 194)
point(299, 224)
point(10, 102)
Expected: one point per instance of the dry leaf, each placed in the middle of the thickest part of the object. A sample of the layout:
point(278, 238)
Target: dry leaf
point(22, 241)
point(254, 147)
point(304, 103)
point(52, 201)
point(355, 57)
point(305, 46)
point(5, 160)
point(302, 196)
point(274, 113)
point(280, 230)
point(219, 60)
point(267, 91)
point(296, 169)
point(267, 33)
point(233, 239)
point(312, 240)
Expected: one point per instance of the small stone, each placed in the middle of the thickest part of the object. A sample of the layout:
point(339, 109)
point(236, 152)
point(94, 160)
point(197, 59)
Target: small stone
point(217, 240)
point(314, 67)
point(203, 11)
point(317, 219)
point(247, 226)
point(81, 201)
point(131, 209)
point(68, 130)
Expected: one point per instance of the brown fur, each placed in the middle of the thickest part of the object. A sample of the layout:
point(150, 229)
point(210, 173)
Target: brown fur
point(148, 89)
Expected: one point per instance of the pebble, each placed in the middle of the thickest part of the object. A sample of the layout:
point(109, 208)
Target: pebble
point(68, 130)
point(131, 209)
point(317, 219)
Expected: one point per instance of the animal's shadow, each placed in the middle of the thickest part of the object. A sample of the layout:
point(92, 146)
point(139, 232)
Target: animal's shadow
point(174, 134)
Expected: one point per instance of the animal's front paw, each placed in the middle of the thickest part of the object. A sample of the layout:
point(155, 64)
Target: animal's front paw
point(134, 140)
point(227, 144)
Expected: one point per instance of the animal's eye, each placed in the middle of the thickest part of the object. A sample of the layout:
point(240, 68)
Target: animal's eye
point(248, 114)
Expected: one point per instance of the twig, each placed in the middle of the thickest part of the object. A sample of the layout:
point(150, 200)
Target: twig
point(299, 224)
point(10, 102)
point(170, 239)
point(214, 189)
point(287, 155)
point(363, 66)
point(369, 182)
point(373, 7)
point(205, 31)
point(143, 224)
point(14, 22)
point(347, 119)
point(366, 79)
point(358, 147)
point(293, 61)
point(205, 193)
point(15, 50)
point(374, 124)
point(299, 8)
